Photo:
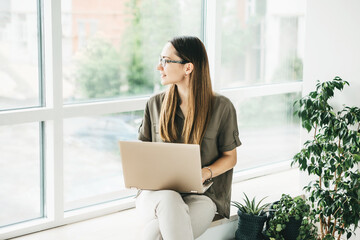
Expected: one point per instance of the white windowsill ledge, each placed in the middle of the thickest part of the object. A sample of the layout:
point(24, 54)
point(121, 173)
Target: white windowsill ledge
point(123, 224)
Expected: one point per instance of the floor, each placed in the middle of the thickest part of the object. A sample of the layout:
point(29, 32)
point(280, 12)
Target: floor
point(122, 225)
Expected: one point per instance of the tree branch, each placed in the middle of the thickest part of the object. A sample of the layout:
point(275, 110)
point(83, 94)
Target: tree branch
point(320, 217)
point(321, 227)
point(328, 224)
point(333, 232)
point(339, 237)
point(315, 132)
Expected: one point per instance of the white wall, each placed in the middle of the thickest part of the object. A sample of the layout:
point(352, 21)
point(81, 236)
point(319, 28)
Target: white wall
point(332, 48)
point(332, 45)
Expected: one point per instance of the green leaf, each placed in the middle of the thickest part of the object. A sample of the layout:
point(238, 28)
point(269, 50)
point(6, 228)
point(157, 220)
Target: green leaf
point(313, 94)
point(250, 207)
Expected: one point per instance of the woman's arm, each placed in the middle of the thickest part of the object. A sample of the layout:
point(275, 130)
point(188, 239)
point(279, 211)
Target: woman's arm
point(226, 162)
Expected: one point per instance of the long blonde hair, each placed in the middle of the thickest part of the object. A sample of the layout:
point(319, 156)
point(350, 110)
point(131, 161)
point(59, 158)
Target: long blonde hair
point(200, 98)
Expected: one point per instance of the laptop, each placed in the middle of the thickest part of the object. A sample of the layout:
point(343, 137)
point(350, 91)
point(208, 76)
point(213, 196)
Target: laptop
point(162, 166)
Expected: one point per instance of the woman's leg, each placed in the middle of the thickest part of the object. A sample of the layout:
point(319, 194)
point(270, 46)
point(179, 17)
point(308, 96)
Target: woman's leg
point(151, 230)
point(202, 211)
point(164, 215)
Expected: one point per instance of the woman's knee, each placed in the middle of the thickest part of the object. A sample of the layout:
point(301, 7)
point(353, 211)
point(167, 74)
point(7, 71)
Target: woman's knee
point(171, 199)
point(152, 204)
point(162, 197)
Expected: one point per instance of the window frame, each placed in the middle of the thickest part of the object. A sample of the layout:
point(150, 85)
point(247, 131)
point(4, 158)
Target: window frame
point(51, 115)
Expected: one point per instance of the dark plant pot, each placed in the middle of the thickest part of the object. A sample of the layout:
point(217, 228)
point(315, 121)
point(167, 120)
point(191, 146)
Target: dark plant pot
point(292, 229)
point(250, 227)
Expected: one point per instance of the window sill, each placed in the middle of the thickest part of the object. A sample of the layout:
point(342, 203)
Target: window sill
point(123, 224)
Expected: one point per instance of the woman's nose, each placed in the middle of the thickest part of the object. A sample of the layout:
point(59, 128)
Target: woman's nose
point(159, 66)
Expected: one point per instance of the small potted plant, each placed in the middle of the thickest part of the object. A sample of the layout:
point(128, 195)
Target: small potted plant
point(289, 220)
point(252, 217)
point(332, 157)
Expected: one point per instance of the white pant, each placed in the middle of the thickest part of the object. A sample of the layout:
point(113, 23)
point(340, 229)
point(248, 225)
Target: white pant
point(166, 215)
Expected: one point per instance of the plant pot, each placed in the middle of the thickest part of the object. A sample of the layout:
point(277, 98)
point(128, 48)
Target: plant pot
point(250, 227)
point(292, 228)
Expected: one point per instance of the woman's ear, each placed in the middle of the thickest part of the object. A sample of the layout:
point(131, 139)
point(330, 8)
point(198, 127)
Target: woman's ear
point(188, 68)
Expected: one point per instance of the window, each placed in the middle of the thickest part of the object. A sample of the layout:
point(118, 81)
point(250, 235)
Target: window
point(76, 75)
point(20, 173)
point(262, 42)
point(65, 130)
point(92, 166)
point(113, 49)
point(261, 60)
point(19, 49)
point(269, 130)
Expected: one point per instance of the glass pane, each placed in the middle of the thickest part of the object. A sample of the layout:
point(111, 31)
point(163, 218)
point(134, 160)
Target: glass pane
point(18, 54)
point(111, 48)
point(263, 42)
point(93, 172)
point(19, 173)
point(269, 131)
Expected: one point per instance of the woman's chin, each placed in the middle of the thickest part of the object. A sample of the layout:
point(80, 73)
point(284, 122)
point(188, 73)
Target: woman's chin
point(164, 82)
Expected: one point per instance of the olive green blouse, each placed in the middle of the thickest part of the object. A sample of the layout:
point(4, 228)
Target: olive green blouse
point(220, 136)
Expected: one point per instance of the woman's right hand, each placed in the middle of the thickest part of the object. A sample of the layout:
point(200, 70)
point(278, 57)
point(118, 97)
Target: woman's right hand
point(206, 174)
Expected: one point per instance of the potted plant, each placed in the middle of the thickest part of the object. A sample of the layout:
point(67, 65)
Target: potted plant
point(331, 156)
point(289, 220)
point(252, 217)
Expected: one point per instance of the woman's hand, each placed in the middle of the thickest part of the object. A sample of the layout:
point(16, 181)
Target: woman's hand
point(206, 174)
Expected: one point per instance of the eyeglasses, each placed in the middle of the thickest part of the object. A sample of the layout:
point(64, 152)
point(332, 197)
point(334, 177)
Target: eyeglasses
point(163, 61)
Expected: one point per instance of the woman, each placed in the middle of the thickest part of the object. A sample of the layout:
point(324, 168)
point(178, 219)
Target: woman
point(189, 112)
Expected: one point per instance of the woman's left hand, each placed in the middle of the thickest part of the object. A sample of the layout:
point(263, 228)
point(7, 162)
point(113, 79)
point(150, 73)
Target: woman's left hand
point(226, 162)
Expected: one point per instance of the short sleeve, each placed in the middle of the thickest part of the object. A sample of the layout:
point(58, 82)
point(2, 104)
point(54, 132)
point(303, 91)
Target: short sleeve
point(145, 126)
point(229, 132)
